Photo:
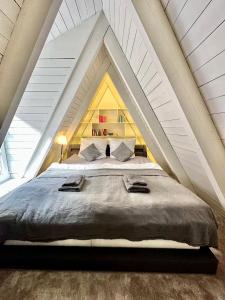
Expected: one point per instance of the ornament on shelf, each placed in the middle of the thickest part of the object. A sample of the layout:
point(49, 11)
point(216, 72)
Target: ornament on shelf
point(102, 119)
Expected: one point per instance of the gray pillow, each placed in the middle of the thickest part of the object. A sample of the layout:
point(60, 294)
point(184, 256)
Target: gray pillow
point(91, 152)
point(122, 152)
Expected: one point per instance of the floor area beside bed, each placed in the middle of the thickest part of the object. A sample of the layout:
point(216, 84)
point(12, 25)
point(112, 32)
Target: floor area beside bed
point(43, 285)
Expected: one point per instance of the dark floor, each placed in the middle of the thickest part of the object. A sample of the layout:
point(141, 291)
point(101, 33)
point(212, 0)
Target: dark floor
point(41, 285)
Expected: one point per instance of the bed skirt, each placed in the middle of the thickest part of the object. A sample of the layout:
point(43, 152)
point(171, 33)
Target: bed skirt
point(108, 259)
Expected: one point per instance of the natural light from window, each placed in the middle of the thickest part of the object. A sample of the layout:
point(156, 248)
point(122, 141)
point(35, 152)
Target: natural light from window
point(4, 172)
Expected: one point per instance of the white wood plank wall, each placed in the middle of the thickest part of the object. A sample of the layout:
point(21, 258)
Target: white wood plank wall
point(200, 30)
point(72, 13)
point(82, 91)
point(9, 11)
point(168, 113)
point(36, 107)
point(42, 94)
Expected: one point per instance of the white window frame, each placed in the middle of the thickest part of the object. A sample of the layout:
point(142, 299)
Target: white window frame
point(5, 171)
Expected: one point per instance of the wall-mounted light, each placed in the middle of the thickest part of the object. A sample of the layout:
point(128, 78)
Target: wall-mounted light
point(61, 140)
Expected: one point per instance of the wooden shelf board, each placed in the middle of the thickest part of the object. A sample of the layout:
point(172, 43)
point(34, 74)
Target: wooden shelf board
point(107, 136)
point(107, 123)
point(98, 109)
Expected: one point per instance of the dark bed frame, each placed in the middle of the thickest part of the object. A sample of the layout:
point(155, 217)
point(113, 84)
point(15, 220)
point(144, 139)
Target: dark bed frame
point(108, 259)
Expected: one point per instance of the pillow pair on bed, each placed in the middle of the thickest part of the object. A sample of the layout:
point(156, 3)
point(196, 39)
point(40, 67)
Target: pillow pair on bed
point(120, 149)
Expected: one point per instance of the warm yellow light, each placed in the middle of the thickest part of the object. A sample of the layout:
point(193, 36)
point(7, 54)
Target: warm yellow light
point(62, 140)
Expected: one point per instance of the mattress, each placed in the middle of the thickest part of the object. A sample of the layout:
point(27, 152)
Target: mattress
point(37, 212)
point(137, 160)
point(160, 244)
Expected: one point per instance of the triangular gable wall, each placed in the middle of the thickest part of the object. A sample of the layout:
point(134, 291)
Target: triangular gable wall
point(108, 101)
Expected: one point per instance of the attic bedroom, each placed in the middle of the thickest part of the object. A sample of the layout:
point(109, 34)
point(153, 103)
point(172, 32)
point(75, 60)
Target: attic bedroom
point(112, 158)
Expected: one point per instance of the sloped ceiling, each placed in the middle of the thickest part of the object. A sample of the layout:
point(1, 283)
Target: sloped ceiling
point(85, 60)
point(159, 92)
point(154, 84)
point(79, 103)
point(71, 14)
point(9, 12)
point(70, 120)
point(143, 58)
point(41, 96)
point(200, 30)
point(26, 42)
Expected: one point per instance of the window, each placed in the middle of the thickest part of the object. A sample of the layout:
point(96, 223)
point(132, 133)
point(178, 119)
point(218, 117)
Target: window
point(4, 172)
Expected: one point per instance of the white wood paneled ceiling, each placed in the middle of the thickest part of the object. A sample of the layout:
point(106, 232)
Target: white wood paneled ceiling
point(152, 78)
point(72, 13)
point(78, 100)
point(9, 11)
point(200, 31)
point(42, 95)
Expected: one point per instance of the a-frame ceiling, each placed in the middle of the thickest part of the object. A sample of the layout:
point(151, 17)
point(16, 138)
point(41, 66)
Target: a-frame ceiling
point(27, 36)
point(135, 61)
point(9, 11)
point(71, 14)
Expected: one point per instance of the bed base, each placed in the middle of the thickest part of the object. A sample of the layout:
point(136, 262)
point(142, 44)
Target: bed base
point(108, 259)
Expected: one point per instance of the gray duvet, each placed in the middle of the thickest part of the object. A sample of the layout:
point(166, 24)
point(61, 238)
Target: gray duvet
point(37, 211)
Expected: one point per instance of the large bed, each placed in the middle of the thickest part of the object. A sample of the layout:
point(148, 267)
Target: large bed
point(104, 219)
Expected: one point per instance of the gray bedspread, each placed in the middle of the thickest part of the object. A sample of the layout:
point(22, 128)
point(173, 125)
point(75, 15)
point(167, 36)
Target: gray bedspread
point(37, 211)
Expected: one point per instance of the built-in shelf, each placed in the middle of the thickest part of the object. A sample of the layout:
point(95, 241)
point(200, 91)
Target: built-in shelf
point(107, 117)
point(100, 121)
point(120, 123)
point(109, 136)
point(96, 109)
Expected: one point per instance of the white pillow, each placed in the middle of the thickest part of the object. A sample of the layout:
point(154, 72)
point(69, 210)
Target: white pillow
point(114, 144)
point(99, 143)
